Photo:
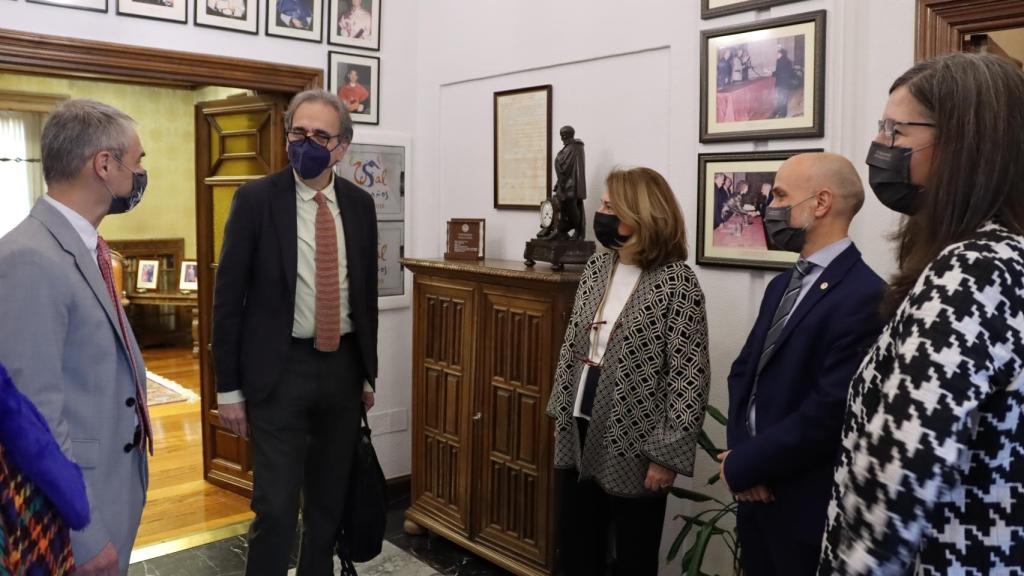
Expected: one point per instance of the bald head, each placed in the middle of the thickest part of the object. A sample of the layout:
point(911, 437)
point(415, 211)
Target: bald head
point(807, 174)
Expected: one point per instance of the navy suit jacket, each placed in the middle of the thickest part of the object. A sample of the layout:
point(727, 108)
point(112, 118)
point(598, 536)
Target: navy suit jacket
point(802, 390)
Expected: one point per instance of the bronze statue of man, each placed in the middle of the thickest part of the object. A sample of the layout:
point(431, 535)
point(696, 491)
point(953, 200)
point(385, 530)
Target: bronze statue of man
point(570, 187)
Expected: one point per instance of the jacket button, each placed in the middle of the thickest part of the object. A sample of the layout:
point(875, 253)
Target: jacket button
point(128, 447)
point(129, 402)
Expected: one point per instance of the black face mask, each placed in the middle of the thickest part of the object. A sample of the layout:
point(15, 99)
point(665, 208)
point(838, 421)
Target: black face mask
point(606, 230)
point(784, 236)
point(122, 204)
point(889, 177)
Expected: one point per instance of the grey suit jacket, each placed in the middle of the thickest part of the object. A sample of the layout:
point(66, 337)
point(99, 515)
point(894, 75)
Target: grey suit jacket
point(61, 342)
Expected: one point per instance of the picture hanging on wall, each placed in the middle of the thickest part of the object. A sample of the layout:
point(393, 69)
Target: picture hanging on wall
point(169, 10)
point(235, 15)
point(354, 23)
point(356, 80)
point(733, 192)
point(763, 80)
point(94, 5)
point(715, 8)
point(522, 147)
point(298, 19)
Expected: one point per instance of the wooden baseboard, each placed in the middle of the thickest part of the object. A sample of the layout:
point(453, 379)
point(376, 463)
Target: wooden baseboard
point(399, 489)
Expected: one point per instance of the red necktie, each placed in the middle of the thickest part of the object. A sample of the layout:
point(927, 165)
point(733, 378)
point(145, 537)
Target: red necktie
point(327, 284)
point(103, 259)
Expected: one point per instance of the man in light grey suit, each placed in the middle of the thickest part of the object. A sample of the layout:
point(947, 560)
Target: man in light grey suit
point(64, 337)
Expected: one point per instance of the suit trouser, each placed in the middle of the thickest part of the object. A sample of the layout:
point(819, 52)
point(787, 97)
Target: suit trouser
point(303, 438)
point(768, 547)
point(587, 516)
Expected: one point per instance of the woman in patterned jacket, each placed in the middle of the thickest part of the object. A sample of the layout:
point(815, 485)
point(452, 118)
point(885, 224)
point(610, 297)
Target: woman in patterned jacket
point(931, 471)
point(632, 380)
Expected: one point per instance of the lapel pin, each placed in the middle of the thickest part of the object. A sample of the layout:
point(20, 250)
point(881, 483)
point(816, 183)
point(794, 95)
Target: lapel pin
point(824, 286)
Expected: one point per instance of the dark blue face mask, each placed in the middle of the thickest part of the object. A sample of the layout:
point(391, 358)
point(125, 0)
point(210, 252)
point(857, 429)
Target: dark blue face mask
point(122, 204)
point(308, 158)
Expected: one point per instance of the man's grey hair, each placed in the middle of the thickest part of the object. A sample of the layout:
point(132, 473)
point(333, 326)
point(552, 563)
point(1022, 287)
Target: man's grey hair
point(78, 130)
point(345, 130)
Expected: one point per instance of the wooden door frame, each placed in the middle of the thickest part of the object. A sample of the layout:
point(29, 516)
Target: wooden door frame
point(941, 24)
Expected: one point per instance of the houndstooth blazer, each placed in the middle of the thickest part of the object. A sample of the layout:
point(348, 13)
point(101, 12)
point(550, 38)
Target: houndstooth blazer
point(653, 389)
point(932, 460)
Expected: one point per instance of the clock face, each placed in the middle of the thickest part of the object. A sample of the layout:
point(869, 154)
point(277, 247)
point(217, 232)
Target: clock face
point(547, 213)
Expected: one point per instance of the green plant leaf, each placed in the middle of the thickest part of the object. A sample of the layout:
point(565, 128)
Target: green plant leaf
point(678, 542)
point(694, 496)
point(705, 442)
point(717, 415)
point(700, 547)
point(715, 478)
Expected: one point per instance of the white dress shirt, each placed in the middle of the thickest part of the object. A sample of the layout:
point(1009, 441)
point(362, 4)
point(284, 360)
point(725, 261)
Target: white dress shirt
point(85, 229)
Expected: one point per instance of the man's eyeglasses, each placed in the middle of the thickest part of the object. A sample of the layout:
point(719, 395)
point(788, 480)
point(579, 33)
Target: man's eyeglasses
point(319, 137)
point(888, 126)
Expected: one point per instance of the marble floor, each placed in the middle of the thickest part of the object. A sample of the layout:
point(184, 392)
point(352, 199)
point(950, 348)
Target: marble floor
point(403, 555)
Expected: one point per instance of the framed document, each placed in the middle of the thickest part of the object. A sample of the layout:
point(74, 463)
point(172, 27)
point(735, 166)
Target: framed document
point(465, 239)
point(522, 147)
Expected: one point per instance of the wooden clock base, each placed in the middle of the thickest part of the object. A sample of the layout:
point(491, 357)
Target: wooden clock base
point(558, 252)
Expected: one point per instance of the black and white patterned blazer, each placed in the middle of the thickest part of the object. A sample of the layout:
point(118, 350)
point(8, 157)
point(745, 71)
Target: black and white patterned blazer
point(653, 389)
point(932, 461)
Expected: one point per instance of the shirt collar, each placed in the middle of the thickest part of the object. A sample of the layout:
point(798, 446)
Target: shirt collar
point(826, 255)
point(85, 230)
point(306, 193)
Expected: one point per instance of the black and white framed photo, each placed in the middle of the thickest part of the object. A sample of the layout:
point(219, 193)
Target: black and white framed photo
point(298, 19)
point(764, 80)
point(716, 8)
point(93, 5)
point(235, 15)
point(734, 190)
point(356, 80)
point(354, 23)
point(168, 10)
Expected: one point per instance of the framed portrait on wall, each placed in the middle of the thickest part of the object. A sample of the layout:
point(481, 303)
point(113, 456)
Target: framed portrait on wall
point(93, 5)
point(715, 8)
point(354, 23)
point(522, 147)
point(356, 80)
point(733, 192)
point(169, 10)
point(235, 15)
point(763, 80)
point(148, 275)
point(296, 19)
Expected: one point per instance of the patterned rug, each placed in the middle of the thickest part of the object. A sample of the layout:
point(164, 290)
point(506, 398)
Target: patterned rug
point(160, 390)
point(393, 561)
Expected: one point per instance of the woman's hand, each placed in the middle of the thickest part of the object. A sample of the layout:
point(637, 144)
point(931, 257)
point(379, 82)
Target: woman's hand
point(659, 478)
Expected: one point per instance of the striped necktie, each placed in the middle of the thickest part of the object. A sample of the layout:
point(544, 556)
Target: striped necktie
point(328, 281)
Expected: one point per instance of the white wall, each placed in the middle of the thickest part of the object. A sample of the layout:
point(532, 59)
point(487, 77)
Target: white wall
point(398, 48)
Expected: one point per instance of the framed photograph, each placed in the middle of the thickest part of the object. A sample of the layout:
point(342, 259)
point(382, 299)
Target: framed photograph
point(236, 15)
point(356, 80)
point(169, 10)
point(716, 8)
point(522, 147)
point(189, 279)
point(354, 23)
point(148, 275)
point(380, 171)
point(297, 19)
point(93, 5)
point(734, 190)
point(390, 250)
point(763, 80)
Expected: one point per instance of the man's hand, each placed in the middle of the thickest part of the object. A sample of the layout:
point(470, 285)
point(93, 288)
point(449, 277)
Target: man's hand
point(368, 400)
point(759, 493)
point(103, 564)
point(721, 467)
point(233, 416)
point(658, 478)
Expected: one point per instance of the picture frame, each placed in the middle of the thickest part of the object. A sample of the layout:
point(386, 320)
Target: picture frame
point(295, 19)
point(390, 251)
point(522, 147)
point(148, 275)
point(763, 80)
point(733, 190)
point(378, 169)
point(91, 5)
point(166, 10)
point(354, 23)
point(716, 8)
point(234, 15)
point(188, 280)
point(361, 96)
point(466, 239)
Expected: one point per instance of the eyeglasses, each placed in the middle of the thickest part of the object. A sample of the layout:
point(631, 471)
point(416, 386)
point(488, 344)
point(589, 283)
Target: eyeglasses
point(319, 137)
point(888, 126)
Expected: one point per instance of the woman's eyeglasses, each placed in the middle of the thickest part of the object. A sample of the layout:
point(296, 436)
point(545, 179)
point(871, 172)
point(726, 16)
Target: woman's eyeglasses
point(888, 126)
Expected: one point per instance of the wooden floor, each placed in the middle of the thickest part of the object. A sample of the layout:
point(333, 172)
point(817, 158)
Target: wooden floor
point(180, 503)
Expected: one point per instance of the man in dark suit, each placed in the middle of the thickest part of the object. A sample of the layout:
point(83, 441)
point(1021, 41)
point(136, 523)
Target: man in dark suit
point(295, 334)
point(788, 387)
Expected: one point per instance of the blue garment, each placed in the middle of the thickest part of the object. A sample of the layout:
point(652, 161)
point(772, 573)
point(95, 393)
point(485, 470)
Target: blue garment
point(32, 450)
point(297, 9)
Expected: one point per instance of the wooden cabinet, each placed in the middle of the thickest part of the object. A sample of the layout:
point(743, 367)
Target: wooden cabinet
point(485, 341)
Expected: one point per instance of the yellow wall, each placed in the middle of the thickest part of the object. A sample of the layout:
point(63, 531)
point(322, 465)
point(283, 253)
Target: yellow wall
point(167, 129)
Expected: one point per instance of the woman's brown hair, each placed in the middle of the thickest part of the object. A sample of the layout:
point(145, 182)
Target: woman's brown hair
point(977, 167)
point(643, 200)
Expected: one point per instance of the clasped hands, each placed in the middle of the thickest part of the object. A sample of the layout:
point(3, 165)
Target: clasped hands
point(759, 493)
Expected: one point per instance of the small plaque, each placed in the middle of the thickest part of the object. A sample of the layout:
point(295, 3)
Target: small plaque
point(465, 239)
